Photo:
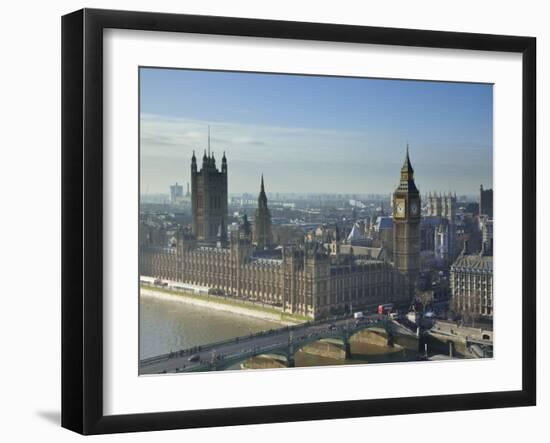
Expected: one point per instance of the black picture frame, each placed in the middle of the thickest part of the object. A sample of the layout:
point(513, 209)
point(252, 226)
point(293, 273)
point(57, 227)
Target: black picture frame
point(82, 218)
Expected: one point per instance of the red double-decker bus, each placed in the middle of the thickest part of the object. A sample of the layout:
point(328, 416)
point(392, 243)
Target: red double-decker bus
point(385, 309)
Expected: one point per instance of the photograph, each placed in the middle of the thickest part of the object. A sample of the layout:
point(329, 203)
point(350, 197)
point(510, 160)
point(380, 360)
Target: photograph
point(290, 220)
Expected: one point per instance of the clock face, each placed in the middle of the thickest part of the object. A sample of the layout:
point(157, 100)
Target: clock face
point(414, 208)
point(399, 208)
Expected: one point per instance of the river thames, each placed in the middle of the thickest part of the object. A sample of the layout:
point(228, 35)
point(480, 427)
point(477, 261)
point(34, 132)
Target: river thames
point(169, 325)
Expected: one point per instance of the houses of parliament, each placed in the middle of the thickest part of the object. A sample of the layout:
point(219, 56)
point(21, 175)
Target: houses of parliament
point(312, 279)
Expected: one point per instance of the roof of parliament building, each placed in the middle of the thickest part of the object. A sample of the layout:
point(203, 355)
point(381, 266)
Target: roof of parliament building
point(474, 262)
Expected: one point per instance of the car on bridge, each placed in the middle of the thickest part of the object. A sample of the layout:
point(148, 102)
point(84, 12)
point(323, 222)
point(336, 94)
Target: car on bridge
point(194, 358)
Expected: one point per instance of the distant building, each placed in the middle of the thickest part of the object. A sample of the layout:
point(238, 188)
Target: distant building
point(472, 284)
point(485, 202)
point(176, 194)
point(442, 205)
point(443, 239)
point(428, 226)
point(357, 204)
point(471, 208)
point(486, 227)
point(439, 224)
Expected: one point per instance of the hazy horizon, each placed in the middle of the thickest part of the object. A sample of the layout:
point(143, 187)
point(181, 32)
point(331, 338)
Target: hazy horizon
point(254, 194)
point(314, 134)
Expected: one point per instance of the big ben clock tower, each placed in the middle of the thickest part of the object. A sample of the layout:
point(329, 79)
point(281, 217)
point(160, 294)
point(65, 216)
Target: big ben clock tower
point(406, 233)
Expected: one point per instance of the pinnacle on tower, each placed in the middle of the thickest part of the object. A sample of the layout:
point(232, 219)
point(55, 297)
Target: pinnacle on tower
point(208, 140)
point(262, 198)
point(262, 220)
point(193, 163)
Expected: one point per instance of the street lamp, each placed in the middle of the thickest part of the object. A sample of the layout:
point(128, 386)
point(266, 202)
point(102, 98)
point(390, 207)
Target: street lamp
point(213, 358)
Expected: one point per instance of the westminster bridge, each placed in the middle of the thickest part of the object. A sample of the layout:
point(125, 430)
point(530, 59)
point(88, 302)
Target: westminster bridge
point(281, 343)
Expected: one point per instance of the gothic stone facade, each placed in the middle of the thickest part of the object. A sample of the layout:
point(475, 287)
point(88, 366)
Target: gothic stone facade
point(486, 202)
point(302, 280)
point(208, 197)
point(441, 205)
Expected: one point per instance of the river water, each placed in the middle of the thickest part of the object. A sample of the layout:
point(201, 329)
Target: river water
point(169, 325)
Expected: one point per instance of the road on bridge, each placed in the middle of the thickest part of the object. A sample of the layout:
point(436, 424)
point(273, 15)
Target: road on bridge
point(204, 359)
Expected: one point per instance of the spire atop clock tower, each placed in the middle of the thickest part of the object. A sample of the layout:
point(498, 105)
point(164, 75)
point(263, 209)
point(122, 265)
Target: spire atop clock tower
point(407, 175)
point(407, 164)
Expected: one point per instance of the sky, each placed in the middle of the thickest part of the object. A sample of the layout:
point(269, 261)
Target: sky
point(315, 134)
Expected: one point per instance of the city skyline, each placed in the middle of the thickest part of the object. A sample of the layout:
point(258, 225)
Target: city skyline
point(312, 135)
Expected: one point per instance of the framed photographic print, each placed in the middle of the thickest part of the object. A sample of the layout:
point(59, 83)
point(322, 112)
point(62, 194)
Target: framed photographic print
point(269, 221)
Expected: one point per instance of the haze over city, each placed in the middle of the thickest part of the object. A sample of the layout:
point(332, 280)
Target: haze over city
point(311, 134)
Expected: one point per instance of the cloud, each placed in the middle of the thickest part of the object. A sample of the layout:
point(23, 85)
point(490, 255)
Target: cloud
point(305, 159)
point(177, 137)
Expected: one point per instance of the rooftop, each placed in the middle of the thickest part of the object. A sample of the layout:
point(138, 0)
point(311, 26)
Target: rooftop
point(475, 262)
